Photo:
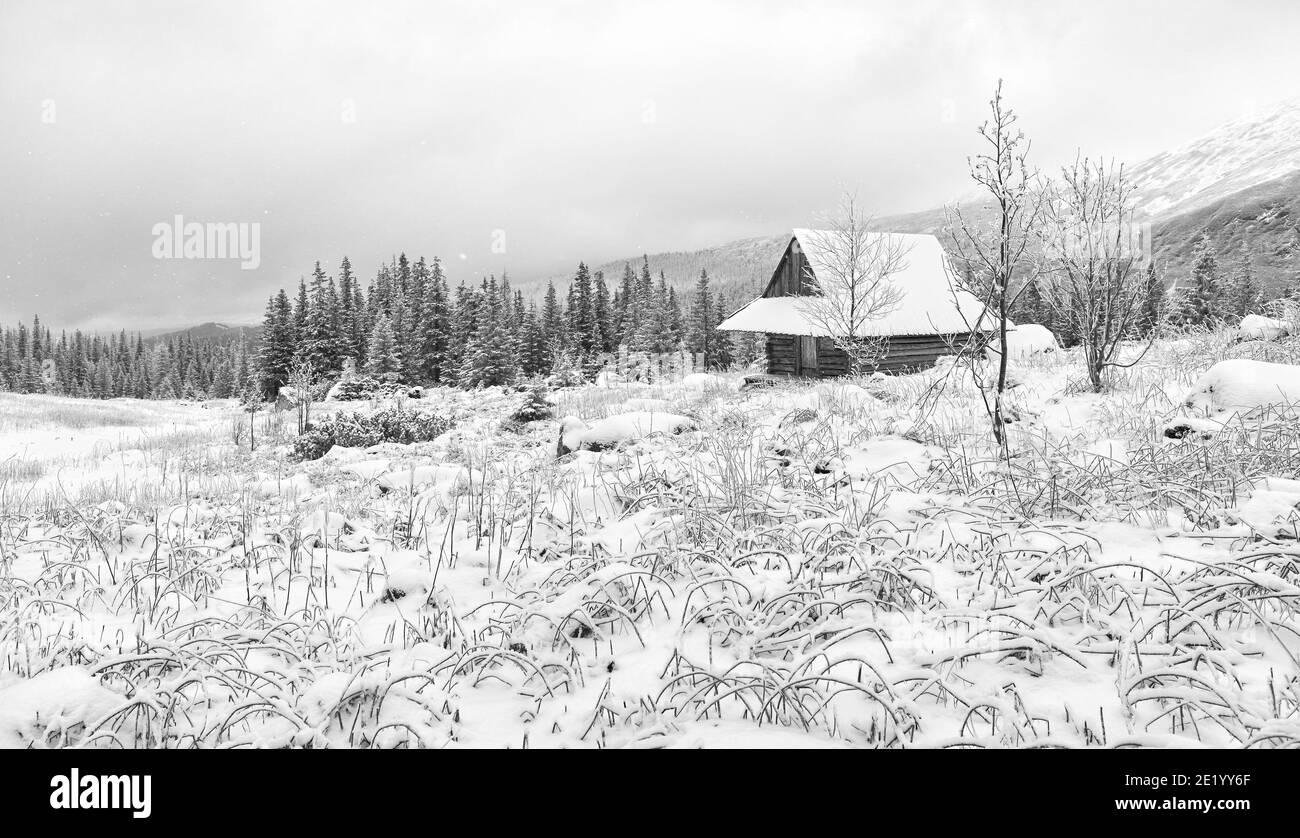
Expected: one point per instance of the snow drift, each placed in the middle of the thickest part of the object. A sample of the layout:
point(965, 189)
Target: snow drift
point(577, 435)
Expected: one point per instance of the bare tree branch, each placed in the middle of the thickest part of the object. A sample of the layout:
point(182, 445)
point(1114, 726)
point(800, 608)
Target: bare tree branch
point(852, 288)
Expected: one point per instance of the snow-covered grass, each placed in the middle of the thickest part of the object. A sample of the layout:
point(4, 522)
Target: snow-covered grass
point(815, 564)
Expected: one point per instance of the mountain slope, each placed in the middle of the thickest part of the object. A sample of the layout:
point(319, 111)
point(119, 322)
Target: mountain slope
point(1237, 156)
point(1263, 221)
point(739, 268)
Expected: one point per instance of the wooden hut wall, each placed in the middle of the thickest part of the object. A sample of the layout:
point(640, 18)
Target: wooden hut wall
point(905, 353)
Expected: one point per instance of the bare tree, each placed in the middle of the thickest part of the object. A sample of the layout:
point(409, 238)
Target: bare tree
point(852, 287)
point(1095, 282)
point(301, 380)
point(994, 262)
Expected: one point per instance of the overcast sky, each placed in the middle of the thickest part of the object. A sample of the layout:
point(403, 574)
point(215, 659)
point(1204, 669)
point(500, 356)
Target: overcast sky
point(563, 132)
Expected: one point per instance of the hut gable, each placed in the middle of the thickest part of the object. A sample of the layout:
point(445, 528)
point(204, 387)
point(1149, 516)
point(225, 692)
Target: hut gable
point(792, 274)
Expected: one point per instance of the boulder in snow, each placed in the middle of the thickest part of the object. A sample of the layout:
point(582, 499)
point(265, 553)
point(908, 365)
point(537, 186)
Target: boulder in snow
point(1025, 341)
point(702, 381)
point(1241, 385)
point(288, 398)
point(1258, 327)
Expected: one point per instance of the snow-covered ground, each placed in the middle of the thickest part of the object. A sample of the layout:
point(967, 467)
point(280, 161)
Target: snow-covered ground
point(831, 564)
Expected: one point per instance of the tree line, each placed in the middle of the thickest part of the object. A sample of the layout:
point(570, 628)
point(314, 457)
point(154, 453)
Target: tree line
point(409, 326)
point(33, 360)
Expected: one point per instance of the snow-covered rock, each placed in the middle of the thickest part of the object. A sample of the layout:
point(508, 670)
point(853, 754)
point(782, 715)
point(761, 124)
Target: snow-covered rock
point(1191, 428)
point(450, 477)
point(1258, 327)
point(1241, 385)
point(577, 435)
point(288, 398)
point(702, 381)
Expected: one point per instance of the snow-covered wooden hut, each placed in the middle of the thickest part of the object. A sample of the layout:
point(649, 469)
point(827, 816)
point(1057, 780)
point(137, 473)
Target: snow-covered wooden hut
point(930, 319)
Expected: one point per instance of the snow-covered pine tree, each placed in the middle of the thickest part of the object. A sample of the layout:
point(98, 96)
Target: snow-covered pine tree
point(1242, 293)
point(676, 320)
point(347, 313)
point(384, 361)
point(625, 308)
point(319, 343)
point(1156, 304)
point(701, 322)
point(723, 354)
point(533, 357)
point(1200, 302)
point(433, 331)
point(301, 308)
point(489, 358)
point(279, 343)
point(554, 332)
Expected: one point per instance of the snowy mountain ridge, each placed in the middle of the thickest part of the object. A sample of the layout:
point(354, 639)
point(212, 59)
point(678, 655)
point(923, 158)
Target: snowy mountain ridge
point(1236, 156)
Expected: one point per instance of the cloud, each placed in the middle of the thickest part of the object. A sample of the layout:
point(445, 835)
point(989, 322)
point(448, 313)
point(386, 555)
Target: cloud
point(583, 131)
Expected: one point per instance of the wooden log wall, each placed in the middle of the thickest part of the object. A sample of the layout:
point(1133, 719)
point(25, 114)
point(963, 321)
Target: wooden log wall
point(906, 353)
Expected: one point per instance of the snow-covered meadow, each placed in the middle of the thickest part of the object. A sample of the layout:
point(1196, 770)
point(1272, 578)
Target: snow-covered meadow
point(841, 563)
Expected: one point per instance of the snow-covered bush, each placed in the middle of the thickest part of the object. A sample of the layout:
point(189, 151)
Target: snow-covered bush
point(360, 430)
point(534, 407)
point(357, 388)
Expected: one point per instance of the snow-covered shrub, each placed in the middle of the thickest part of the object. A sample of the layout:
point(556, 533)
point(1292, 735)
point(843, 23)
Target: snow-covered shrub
point(358, 388)
point(359, 430)
point(534, 407)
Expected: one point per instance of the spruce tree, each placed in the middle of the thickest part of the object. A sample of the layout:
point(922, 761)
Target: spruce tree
point(489, 358)
point(1200, 302)
point(1243, 294)
point(1155, 303)
point(384, 361)
point(279, 345)
point(701, 322)
point(319, 342)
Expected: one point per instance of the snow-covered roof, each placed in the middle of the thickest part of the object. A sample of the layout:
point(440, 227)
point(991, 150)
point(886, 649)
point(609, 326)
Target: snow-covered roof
point(929, 304)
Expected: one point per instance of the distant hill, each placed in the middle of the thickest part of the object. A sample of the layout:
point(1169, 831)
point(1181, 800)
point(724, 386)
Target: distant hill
point(218, 332)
